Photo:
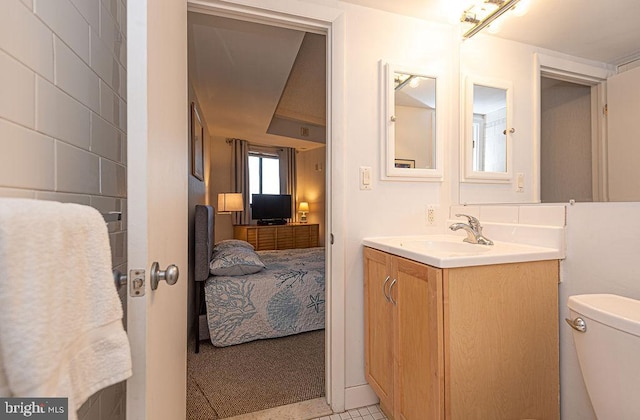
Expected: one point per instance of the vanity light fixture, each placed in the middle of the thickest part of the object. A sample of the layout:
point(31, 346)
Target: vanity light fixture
point(479, 23)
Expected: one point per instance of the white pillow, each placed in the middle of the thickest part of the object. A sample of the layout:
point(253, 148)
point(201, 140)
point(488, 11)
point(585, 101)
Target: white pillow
point(235, 262)
point(232, 243)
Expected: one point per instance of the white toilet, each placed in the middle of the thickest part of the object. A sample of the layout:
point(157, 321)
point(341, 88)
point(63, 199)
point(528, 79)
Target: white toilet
point(609, 352)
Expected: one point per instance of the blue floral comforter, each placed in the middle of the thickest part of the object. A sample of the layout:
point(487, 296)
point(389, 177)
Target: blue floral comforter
point(287, 297)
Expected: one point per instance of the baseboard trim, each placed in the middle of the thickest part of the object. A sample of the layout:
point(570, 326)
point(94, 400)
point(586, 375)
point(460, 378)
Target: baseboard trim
point(359, 396)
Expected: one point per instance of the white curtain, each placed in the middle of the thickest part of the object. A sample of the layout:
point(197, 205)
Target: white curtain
point(288, 179)
point(240, 179)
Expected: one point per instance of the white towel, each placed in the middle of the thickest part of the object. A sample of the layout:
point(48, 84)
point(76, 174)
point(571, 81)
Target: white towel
point(61, 332)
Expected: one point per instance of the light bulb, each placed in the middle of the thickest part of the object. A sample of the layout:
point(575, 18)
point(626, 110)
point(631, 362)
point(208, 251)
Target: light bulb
point(521, 8)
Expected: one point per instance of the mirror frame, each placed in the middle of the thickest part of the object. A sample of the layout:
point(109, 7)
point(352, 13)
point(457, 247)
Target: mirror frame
point(387, 129)
point(468, 174)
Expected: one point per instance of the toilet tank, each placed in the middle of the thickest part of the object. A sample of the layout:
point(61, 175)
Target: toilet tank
point(609, 353)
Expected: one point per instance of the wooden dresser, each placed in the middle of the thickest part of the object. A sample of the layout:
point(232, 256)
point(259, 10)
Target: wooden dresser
point(293, 235)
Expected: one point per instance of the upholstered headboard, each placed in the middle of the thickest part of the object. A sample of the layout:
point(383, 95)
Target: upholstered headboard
point(204, 238)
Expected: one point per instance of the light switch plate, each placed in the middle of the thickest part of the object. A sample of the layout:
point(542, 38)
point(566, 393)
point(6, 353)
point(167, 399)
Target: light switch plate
point(365, 177)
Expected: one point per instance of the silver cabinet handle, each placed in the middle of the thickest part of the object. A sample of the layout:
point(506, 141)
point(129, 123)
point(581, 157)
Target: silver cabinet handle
point(577, 324)
point(390, 295)
point(170, 275)
point(384, 290)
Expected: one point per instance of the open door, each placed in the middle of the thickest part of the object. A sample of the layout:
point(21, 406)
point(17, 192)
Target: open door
point(623, 147)
point(157, 206)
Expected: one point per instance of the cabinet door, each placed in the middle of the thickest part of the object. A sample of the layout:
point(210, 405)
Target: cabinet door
point(502, 341)
point(284, 237)
point(378, 320)
point(419, 379)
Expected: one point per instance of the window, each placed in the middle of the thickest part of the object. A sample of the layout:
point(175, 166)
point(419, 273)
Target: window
point(264, 174)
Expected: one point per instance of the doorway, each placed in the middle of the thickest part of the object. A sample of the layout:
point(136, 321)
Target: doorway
point(335, 315)
point(565, 141)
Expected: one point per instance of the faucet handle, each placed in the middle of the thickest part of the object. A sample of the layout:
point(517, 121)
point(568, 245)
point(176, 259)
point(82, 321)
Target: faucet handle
point(473, 222)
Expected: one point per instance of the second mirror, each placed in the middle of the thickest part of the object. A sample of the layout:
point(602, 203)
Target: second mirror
point(487, 131)
point(410, 140)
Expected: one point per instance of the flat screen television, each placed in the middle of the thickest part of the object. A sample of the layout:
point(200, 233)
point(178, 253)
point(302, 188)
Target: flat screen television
point(271, 209)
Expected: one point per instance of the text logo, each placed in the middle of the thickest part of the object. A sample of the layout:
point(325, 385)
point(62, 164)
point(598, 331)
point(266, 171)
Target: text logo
point(34, 408)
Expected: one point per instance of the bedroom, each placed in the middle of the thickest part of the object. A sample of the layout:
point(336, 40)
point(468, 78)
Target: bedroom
point(260, 88)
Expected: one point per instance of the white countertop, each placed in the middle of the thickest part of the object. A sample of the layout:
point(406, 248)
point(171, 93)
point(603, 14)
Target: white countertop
point(449, 251)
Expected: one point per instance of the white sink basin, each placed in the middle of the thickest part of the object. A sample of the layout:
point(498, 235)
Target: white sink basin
point(446, 247)
point(449, 251)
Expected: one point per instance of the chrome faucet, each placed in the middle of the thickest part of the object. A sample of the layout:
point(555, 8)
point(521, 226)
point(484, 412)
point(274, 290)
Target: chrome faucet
point(473, 229)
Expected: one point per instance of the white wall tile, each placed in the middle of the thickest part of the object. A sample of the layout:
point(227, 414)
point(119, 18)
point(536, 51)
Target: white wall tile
point(123, 83)
point(16, 193)
point(78, 171)
point(90, 10)
point(17, 84)
point(122, 18)
point(109, 104)
point(105, 65)
point(112, 7)
point(108, 29)
point(121, 53)
point(500, 214)
point(75, 77)
point(27, 158)
point(30, 162)
point(118, 243)
point(67, 22)
point(114, 179)
point(122, 120)
point(543, 215)
point(26, 38)
point(61, 116)
point(108, 204)
point(90, 410)
point(28, 3)
point(106, 140)
point(124, 149)
point(64, 197)
point(470, 210)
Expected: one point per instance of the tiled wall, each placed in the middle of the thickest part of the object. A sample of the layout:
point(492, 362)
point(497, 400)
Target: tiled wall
point(63, 118)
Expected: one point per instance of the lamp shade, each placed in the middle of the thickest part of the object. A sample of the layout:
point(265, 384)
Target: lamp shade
point(230, 202)
point(304, 206)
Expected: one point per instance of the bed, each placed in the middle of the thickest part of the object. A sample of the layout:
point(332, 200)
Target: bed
point(286, 297)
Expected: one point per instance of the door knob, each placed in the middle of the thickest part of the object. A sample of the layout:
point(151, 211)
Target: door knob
point(170, 275)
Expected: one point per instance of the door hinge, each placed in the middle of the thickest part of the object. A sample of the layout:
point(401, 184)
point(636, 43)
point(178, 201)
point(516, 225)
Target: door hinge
point(331, 235)
point(605, 110)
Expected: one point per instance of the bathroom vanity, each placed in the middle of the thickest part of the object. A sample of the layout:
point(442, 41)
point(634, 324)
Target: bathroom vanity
point(461, 339)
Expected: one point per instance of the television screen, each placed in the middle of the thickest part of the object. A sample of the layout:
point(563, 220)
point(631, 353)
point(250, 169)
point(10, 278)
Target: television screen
point(271, 207)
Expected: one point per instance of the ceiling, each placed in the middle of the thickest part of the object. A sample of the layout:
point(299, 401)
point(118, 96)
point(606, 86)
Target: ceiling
point(600, 30)
point(244, 74)
point(241, 70)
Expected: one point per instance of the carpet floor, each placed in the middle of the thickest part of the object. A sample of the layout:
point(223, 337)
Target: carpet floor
point(229, 381)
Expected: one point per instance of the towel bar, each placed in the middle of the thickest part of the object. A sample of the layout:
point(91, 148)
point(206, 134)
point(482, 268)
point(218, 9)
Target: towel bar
point(112, 216)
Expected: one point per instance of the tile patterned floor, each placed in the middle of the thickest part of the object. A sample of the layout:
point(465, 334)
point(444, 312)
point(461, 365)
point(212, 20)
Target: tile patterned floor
point(371, 412)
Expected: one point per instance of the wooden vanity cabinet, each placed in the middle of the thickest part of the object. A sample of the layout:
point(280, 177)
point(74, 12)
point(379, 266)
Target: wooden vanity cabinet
point(403, 297)
point(462, 343)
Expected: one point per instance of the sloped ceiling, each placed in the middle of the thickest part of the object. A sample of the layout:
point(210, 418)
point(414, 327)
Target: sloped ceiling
point(240, 70)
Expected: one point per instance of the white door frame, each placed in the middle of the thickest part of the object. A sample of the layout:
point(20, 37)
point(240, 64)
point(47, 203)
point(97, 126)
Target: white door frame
point(585, 74)
point(321, 19)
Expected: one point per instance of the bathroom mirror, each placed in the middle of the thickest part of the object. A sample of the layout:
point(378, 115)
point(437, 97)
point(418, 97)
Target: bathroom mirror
point(487, 131)
point(410, 146)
